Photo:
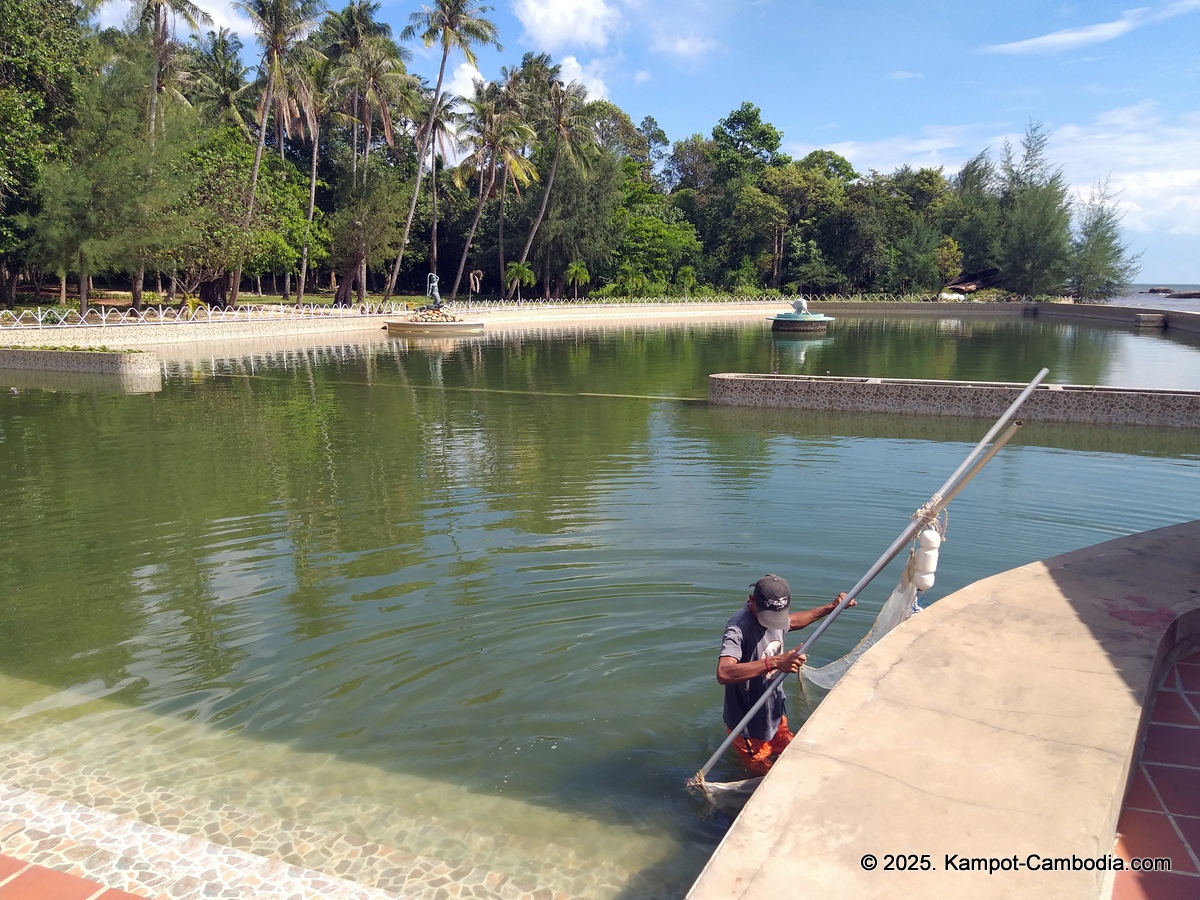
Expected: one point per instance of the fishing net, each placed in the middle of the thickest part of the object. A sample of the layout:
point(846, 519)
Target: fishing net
point(899, 606)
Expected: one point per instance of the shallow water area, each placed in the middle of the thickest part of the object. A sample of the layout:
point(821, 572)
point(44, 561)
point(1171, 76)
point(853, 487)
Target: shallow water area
point(462, 598)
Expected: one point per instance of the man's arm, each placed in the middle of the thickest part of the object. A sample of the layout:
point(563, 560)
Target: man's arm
point(730, 671)
point(806, 618)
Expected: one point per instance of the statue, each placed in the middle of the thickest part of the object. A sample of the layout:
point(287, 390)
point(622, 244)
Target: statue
point(800, 305)
point(431, 290)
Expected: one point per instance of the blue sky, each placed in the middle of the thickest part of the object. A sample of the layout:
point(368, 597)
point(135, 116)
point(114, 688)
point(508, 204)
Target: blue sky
point(888, 83)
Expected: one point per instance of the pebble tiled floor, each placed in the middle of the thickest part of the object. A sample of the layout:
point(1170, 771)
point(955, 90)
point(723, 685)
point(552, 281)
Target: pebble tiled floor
point(1161, 816)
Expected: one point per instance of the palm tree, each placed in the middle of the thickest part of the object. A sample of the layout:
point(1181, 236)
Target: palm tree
point(155, 15)
point(374, 73)
point(517, 98)
point(492, 133)
point(281, 25)
point(315, 97)
point(571, 125)
point(342, 34)
point(218, 84)
point(456, 24)
point(445, 121)
point(577, 274)
point(517, 274)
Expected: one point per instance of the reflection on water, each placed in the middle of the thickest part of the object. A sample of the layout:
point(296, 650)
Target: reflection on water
point(486, 581)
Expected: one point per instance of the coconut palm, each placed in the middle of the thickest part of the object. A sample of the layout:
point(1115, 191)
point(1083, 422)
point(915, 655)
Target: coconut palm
point(280, 25)
point(577, 274)
point(155, 16)
point(374, 74)
point(446, 121)
point(517, 274)
point(517, 101)
point(342, 34)
point(316, 98)
point(493, 133)
point(218, 83)
point(571, 126)
point(455, 24)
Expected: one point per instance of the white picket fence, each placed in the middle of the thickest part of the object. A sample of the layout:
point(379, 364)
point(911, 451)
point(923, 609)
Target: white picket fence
point(56, 317)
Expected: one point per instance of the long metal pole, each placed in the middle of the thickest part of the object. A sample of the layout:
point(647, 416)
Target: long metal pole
point(948, 491)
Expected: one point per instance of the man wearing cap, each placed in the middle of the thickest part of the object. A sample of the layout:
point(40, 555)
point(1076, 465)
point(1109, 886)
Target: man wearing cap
point(751, 653)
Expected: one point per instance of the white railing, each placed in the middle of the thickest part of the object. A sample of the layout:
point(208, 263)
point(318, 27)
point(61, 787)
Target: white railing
point(56, 317)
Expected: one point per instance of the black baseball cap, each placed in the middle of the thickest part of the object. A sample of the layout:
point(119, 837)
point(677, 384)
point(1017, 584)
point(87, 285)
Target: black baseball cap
point(772, 598)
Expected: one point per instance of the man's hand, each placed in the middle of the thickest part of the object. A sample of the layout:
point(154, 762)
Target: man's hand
point(840, 597)
point(789, 662)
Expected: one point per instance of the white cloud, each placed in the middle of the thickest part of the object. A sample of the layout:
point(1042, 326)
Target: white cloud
point(553, 24)
point(589, 76)
point(1070, 38)
point(462, 82)
point(683, 45)
point(905, 76)
point(641, 77)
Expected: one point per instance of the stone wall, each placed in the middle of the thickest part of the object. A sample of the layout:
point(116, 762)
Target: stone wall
point(1050, 403)
point(89, 361)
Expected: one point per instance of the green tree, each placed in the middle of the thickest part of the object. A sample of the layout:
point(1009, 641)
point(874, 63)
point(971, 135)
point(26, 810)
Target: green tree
point(495, 134)
point(1035, 249)
point(577, 274)
point(42, 70)
point(279, 25)
point(456, 25)
point(109, 203)
point(1101, 264)
point(517, 274)
point(949, 259)
point(569, 124)
point(219, 88)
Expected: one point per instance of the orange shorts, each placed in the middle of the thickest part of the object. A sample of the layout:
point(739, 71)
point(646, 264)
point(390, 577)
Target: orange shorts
point(758, 756)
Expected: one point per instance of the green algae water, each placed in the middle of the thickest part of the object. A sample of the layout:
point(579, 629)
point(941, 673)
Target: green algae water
point(464, 597)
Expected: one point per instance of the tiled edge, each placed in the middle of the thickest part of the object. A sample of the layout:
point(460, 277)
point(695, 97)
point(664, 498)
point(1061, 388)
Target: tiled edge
point(1161, 813)
point(132, 856)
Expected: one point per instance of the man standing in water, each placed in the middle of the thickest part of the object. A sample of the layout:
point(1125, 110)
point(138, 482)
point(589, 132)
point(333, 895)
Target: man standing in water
point(751, 654)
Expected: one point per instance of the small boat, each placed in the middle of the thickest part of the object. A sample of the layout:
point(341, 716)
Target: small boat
point(414, 328)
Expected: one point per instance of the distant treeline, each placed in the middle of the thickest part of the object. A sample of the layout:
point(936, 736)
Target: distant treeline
point(136, 156)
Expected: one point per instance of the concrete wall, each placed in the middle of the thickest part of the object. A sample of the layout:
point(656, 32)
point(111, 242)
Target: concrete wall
point(1054, 403)
point(141, 335)
point(1183, 322)
point(1000, 723)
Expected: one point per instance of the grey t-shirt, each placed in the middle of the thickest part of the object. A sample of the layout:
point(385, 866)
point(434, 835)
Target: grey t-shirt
point(746, 640)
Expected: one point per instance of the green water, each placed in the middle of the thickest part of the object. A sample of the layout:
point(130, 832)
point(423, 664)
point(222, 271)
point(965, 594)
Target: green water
point(498, 569)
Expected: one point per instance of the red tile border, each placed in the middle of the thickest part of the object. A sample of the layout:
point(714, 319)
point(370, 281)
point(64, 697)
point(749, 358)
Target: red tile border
point(1154, 886)
point(1189, 676)
point(1148, 834)
point(1170, 708)
point(114, 894)
point(1178, 787)
point(1141, 795)
point(39, 883)
point(1173, 744)
point(10, 866)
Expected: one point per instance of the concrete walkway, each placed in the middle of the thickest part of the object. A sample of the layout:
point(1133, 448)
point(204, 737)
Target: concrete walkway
point(995, 731)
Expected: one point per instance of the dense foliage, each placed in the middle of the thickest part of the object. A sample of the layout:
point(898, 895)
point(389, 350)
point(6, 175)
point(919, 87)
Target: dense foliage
point(134, 155)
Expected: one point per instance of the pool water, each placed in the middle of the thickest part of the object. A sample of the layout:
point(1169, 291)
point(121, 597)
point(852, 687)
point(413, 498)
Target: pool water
point(464, 597)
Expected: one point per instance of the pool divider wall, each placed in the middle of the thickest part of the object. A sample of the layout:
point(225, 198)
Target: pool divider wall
point(975, 399)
